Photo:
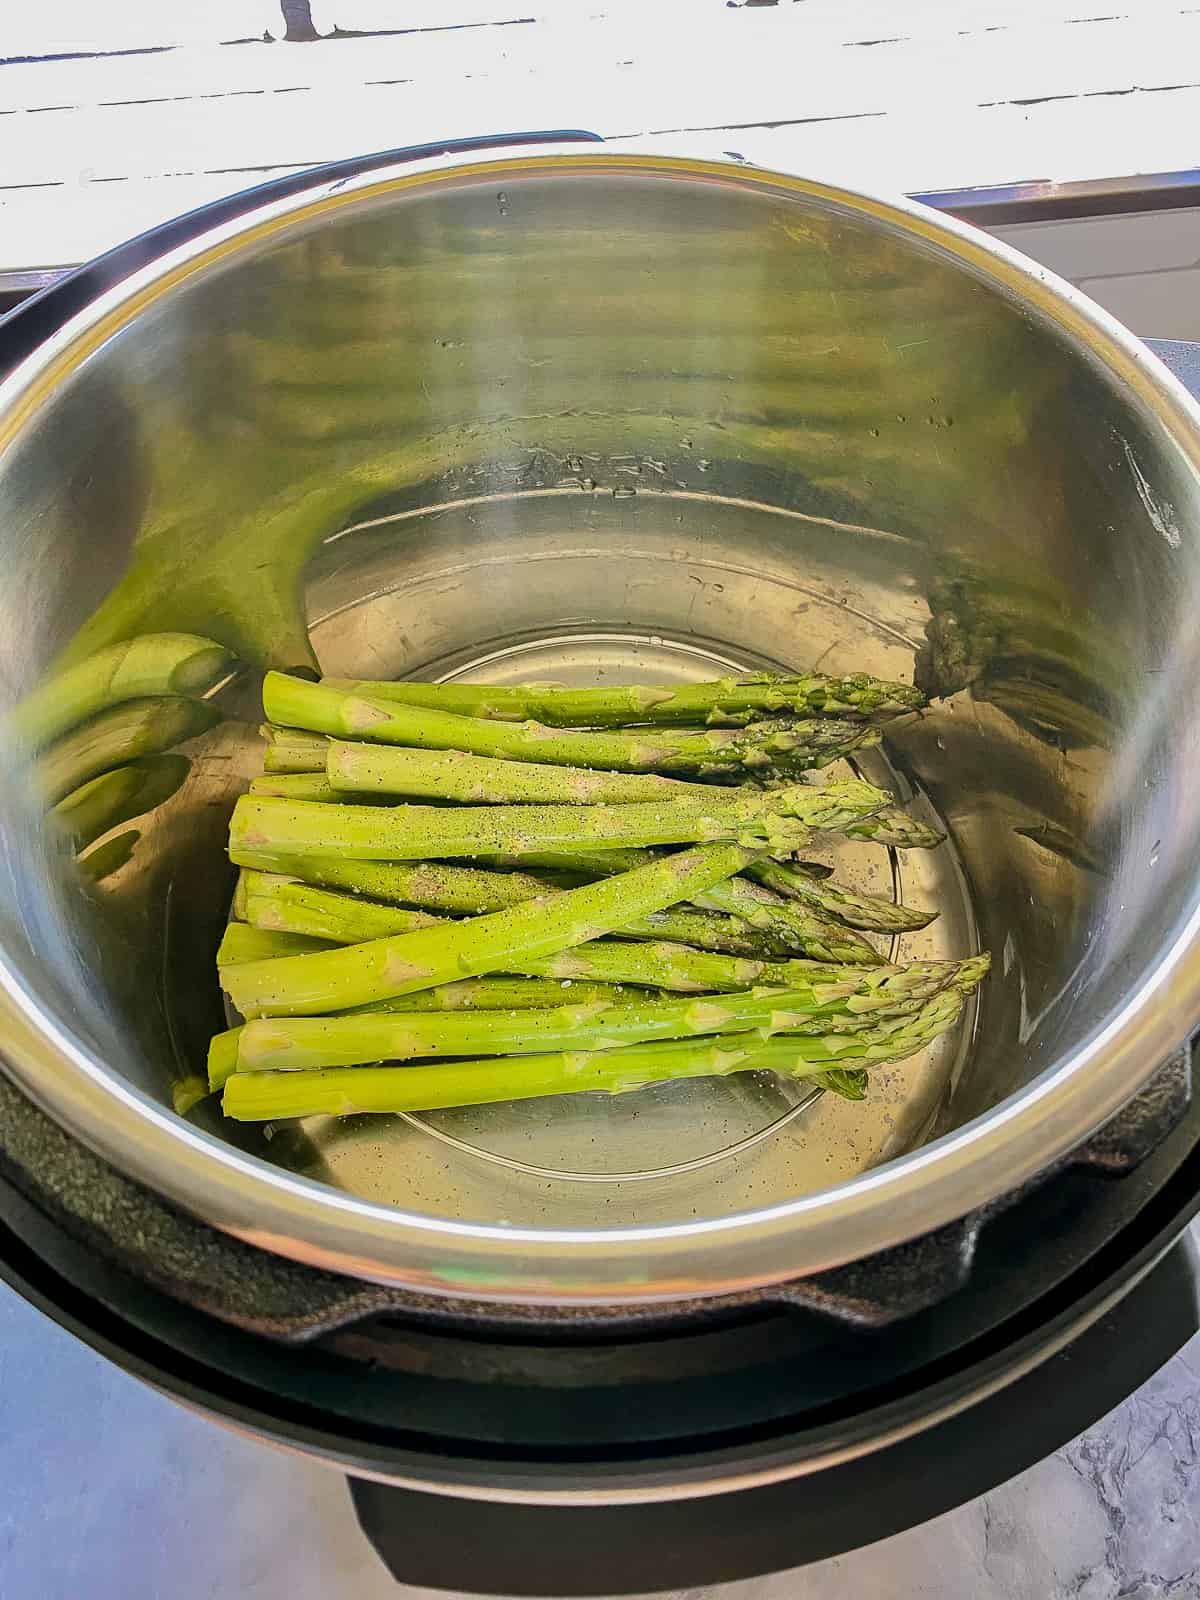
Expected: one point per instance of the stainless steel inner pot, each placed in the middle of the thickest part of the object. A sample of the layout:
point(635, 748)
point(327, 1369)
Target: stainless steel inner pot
point(612, 415)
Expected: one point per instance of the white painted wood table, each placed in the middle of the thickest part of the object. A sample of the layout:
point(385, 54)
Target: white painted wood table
point(116, 116)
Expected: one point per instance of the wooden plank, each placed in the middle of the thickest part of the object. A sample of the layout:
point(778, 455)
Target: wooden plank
point(1099, 138)
point(951, 93)
point(862, 21)
point(1037, 59)
point(286, 122)
point(993, 145)
point(54, 27)
point(382, 16)
point(57, 26)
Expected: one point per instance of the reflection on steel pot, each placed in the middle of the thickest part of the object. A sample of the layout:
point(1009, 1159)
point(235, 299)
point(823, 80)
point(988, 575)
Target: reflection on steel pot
point(604, 417)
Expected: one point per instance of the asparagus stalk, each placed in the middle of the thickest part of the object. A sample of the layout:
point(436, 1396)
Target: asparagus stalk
point(595, 863)
point(482, 780)
point(280, 905)
point(796, 926)
point(117, 796)
point(154, 664)
point(333, 980)
point(656, 963)
point(118, 735)
point(297, 703)
point(432, 885)
point(299, 786)
point(843, 905)
point(789, 928)
point(244, 943)
point(669, 966)
point(270, 901)
point(710, 930)
point(508, 994)
point(241, 942)
point(302, 1043)
point(293, 750)
point(223, 1057)
point(896, 828)
point(728, 702)
point(344, 1091)
point(782, 818)
point(468, 994)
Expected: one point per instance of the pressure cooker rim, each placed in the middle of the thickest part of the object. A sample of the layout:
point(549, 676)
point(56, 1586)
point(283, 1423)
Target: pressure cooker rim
point(955, 1174)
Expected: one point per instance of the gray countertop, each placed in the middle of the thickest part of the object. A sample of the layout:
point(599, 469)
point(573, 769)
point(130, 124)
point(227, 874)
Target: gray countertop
point(109, 1491)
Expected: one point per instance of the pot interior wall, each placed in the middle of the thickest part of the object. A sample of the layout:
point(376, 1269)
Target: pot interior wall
point(598, 424)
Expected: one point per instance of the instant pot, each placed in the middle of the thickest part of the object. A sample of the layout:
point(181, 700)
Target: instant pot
point(538, 407)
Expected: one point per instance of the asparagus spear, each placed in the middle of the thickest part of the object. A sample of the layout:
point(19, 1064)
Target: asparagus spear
point(896, 828)
point(300, 786)
point(344, 1091)
point(373, 1032)
point(482, 780)
point(117, 796)
point(670, 966)
point(710, 930)
point(241, 942)
point(468, 994)
point(680, 969)
point(596, 863)
point(223, 1057)
point(270, 901)
point(433, 885)
point(293, 750)
point(507, 994)
point(300, 1043)
point(118, 735)
point(391, 833)
point(154, 664)
point(797, 926)
point(844, 905)
point(654, 964)
point(296, 702)
point(788, 927)
point(244, 943)
point(282, 906)
point(331, 980)
point(729, 702)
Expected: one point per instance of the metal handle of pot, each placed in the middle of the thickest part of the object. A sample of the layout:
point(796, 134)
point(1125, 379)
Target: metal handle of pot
point(32, 322)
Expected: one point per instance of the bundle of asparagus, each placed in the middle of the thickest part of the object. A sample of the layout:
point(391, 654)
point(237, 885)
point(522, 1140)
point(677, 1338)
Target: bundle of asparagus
point(608, 897)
